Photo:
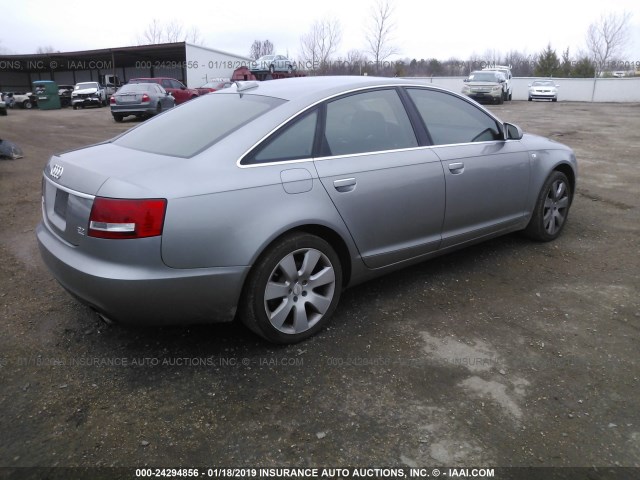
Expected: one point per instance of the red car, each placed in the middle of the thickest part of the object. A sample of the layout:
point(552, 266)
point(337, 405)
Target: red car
point(213, 86)
point(176, 88)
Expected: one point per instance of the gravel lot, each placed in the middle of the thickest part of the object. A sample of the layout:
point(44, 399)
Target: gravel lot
point(509, 353)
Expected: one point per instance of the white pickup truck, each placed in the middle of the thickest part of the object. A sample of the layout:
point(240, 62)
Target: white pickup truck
point(88, 93)
point(22, 100)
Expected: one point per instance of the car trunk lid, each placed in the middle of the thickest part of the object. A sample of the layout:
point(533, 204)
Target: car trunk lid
point(73, 179)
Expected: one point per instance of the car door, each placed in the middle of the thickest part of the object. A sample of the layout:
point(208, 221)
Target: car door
point(487, 177)
point(164, 98)
point(389, 192)
point(181, 91)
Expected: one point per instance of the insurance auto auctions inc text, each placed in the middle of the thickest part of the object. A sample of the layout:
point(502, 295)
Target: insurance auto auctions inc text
point(373, 472)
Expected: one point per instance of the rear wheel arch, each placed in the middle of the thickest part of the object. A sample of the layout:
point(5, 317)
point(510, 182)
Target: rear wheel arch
point(314, 288)
point(329, 235)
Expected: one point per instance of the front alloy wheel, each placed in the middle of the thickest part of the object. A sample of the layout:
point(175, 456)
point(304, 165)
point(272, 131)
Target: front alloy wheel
point(552, 208)
point(293, 289)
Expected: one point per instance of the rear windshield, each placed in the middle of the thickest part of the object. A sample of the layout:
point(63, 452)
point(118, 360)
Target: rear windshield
point(197, 124)
point(139, 87)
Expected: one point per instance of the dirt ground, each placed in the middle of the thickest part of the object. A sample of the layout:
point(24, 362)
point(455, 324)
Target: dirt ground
point(509, 353)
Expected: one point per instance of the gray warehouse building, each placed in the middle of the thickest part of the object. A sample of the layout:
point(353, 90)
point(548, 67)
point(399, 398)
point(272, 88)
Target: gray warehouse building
point(194, 65)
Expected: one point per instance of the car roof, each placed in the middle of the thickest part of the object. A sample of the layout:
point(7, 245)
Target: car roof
point(313, 89)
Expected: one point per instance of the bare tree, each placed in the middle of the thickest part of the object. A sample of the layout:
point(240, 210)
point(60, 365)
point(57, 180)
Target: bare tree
point(492, 57)
point(46, 49)
point(152, 34)
point(522, 63)
point(171, 32)
point(194, 36)
point(260, 48)
point(379, 33)
point(320, 43)
point(357, 62)
point(607, 38)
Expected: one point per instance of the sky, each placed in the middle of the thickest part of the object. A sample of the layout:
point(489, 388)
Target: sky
point(426, 29)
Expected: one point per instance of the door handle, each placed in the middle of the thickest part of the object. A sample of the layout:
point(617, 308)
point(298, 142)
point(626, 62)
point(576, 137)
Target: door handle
point(344, 184)
point(456, 168)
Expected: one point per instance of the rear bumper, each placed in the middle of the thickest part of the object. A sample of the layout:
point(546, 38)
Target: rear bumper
point(133, 109)
point(143, 294)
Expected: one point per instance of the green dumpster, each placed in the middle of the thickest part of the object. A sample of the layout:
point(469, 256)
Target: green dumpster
point(46, 93)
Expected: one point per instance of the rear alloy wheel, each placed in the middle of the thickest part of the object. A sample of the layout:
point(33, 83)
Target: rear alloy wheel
point(293, 289)
point(551, 210)
point(26, 104)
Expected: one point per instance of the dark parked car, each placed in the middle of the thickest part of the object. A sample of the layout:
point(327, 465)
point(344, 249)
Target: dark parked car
point(65, 92)
point(140, 99)
point(176, 88)
point(308, 186)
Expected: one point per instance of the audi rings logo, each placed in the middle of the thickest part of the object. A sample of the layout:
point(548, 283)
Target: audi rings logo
point(56, 171)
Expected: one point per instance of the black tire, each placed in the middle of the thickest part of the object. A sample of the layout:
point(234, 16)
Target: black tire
point(500, 101)
point(27, 104)
point(530, 99)
point(554, 99)
point(510, 96)
point(551, 210)
point(292, 294)
point(116, 117)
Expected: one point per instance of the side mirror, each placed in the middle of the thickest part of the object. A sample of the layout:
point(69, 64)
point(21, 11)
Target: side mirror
point(466, 80)
point(514, 132)
point(183, 88)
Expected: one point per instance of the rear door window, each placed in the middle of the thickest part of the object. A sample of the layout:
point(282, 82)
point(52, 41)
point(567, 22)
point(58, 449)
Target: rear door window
point(367, 122)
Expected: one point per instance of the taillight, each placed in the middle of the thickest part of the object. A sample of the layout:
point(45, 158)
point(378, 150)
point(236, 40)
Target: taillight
point(112, 100)
point(119, 218)
point(145, 97)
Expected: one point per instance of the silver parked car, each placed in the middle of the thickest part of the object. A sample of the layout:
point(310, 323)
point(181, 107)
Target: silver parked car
point(310, 185)
point(272, 64)
point(140, 99)
point(543, 89)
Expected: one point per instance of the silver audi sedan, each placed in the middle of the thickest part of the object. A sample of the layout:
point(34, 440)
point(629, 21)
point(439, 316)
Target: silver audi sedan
point(308, 186)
